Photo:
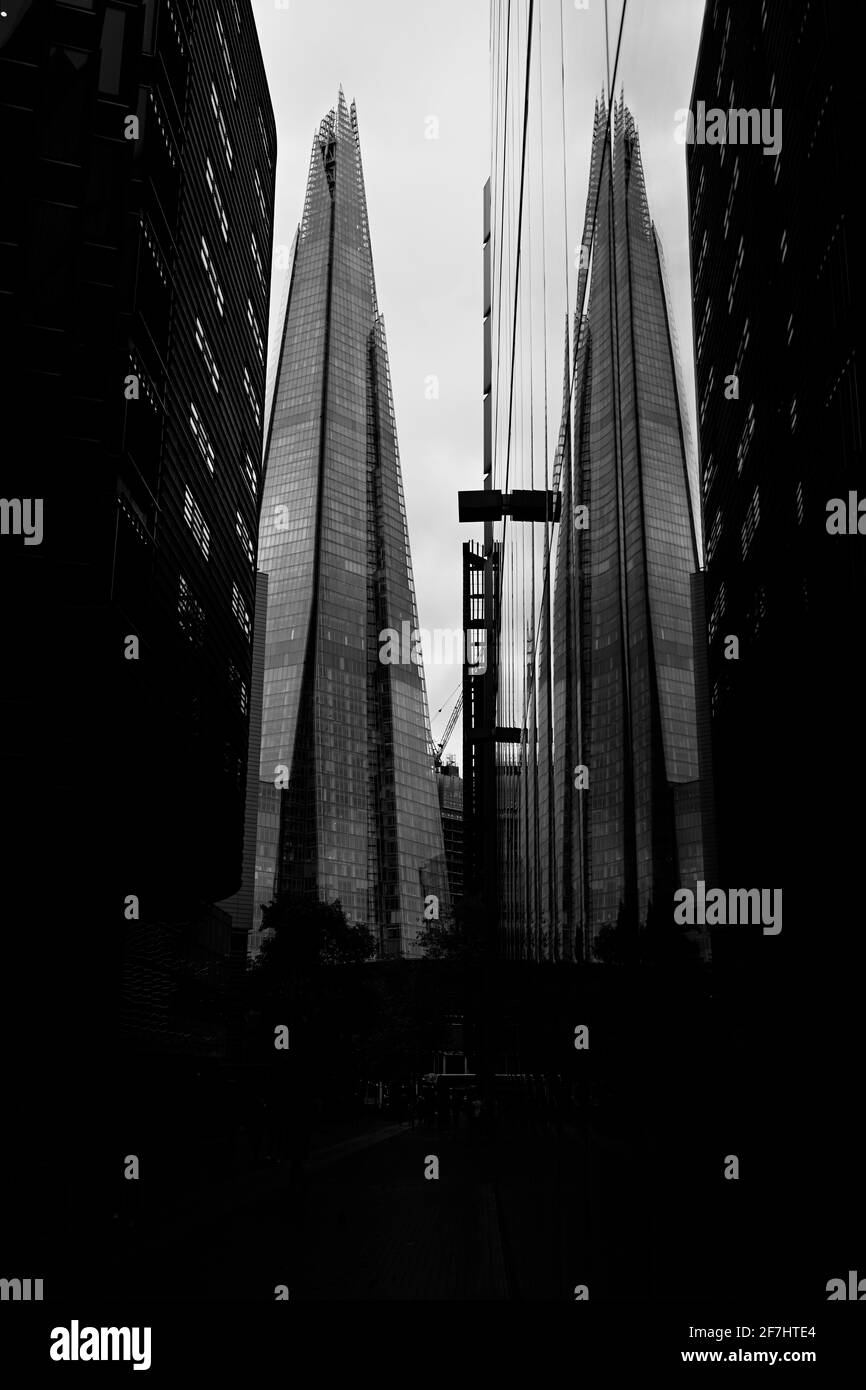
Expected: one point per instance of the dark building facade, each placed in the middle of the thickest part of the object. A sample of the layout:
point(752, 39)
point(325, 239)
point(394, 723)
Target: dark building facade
point(345, 726)
point(777, 274)
point(138, 169)
point(241, 906)
point(778, 293)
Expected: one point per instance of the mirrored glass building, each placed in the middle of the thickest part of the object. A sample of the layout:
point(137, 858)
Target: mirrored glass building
point(346, 758)
point(602, 789)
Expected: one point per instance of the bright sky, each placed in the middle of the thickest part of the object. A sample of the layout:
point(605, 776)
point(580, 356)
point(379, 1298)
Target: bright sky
point(404, 62)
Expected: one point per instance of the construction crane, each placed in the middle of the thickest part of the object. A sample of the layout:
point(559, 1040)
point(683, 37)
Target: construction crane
point(439, 748)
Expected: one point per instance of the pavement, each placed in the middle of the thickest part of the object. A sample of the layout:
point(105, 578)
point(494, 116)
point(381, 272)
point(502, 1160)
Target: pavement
point(526, 1216)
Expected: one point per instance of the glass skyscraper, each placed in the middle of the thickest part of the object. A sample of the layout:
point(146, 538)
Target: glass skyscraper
point(601, 804)
point(622, 598)
point(345, 734)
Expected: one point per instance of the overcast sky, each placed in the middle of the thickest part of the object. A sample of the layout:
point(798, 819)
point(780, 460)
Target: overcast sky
point(404, 62)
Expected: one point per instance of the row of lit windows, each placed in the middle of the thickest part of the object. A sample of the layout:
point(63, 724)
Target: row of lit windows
point(239, 686)
point(241, 611)
point(220, 119)
point(207, 353)
point(221, 125)
point(194, 518)
point(191, 620)
point(226, 57)
point(210, 270)
point(252, 398)
point(749, 526)
point(736, 275)
point(746, 438)
point(217, 199)
point(206, 449)
point(200, 436)
point(255, 329)
point(245, 538)
point(261, 196)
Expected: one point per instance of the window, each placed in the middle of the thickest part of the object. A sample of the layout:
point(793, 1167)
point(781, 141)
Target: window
point(217, 200)
point(239, 687)
point(264, 137)
point(702, 256)
point(111, 51)
point(261, 196)
point(256, 331)
point(192, 515)
point(221, 125)
point(207, 354)
point(200, 436)
point(251, 397)
point(163, 128)
point(250, 475)
point(245, 538)
point(741, 351)
point(708, 390)
point(717, 611)
point(702, 336)
point(207, 262)
point(241, 611)
point(151, 242)
point(710, 471)
point(715, 536)
point(735, 179)
point(746, 438)
point(699, 198)
point(801, 508)
point(749, 526)
point(741, 251)
point(190, 613)
point(226, 56)
point(257, 257)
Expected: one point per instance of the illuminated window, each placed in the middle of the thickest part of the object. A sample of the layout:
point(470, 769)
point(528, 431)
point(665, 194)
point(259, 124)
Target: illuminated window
point(256, 331)
point(257, 257)
point(217, 200)
point(252, 398)
point(226, 56)
point(245, 538)
point(250, 475)
point(200, 436)
point(207, 354)
point(241, 611)
point(221, 125)
point(207, 262)
point(192, 515)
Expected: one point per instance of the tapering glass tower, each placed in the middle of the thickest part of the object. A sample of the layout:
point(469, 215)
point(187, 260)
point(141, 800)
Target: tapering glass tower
point(623, 595)
point(345, 736)
point(602, 802)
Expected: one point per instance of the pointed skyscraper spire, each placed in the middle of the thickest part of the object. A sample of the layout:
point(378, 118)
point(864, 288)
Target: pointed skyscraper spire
point(349, 802)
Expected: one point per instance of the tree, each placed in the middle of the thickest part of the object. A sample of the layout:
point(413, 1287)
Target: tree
point(309, 934)
point(616, 944)
point(464, 941)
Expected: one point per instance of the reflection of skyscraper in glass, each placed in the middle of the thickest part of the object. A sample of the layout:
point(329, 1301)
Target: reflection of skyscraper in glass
point(345, 737)
point(623, 643)
point(602, 807)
